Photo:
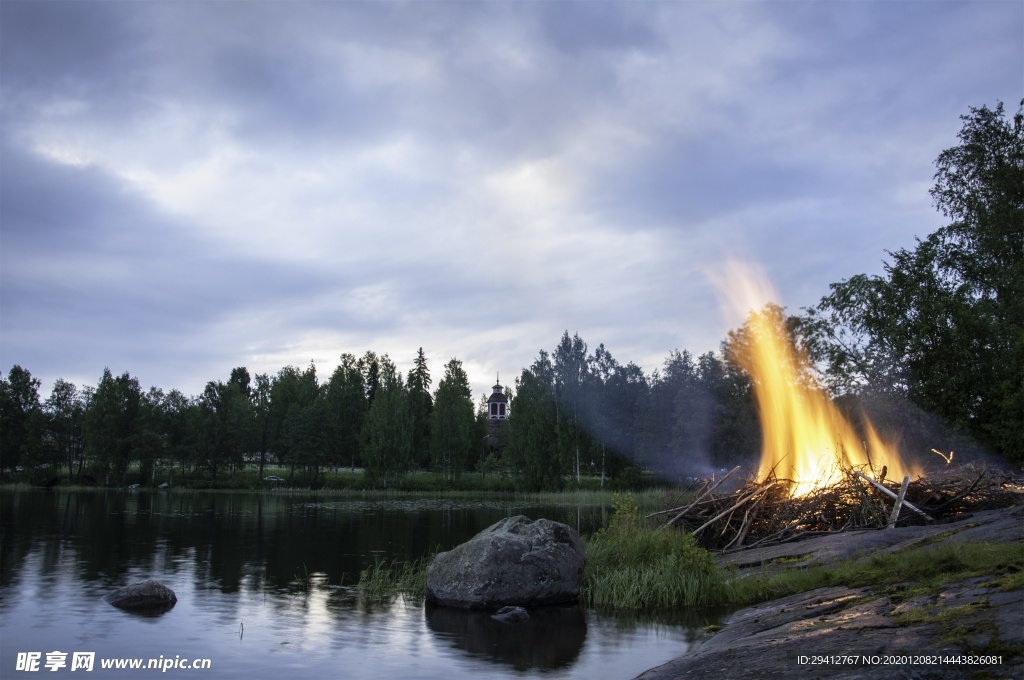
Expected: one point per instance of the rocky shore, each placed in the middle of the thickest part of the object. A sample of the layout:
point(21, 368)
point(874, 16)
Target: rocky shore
point(860, 633)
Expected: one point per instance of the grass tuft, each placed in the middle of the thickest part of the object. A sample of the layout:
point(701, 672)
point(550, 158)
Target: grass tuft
point(385, 580)
point(631, 565)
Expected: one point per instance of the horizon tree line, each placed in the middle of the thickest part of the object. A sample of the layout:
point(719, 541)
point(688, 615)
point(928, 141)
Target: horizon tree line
point(577, 415)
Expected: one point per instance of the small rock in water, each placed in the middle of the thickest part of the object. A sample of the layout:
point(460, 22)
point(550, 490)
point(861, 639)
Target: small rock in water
point(147, 595)
point(511, 615)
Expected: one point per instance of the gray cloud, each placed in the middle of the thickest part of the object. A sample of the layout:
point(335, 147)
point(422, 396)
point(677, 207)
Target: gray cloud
point(187, 187)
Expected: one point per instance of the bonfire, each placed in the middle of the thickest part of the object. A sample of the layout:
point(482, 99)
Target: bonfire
point(818, 474)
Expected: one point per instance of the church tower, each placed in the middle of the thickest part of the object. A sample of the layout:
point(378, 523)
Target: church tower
point(497, 416)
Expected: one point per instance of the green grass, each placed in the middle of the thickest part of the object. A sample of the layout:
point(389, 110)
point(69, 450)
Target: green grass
point(901, 575)
point(385, 580)
point(632, 565)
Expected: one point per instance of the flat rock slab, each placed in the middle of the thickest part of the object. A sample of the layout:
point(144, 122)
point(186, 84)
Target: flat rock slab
point(515, 562)
point(769, 639)
point(997, 526)
point(146, 595)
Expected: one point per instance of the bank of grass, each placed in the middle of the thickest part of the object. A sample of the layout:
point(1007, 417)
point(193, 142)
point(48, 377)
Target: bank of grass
point(632, 565)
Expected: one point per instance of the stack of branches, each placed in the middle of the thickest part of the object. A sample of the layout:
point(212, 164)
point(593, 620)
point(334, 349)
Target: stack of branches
point(765, 511)
point(955, 490)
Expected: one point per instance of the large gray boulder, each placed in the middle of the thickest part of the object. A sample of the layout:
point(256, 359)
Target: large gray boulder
point(514, 562)
point(144, 595)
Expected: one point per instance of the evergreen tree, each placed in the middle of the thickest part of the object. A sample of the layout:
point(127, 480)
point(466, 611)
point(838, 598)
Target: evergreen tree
point(533, 452)
point(347, 408)
point(370, 368)
point(453, 429)
point(420, 407)
point(387, 431)
point(292, 391)
point(570, 374)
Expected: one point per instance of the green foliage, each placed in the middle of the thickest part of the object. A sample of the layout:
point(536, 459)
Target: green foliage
point(453, 423)
point(944, 327)
point(631, 565)
point(345, 413)
point(570, 370)
point(225, 419)
point(20, 420)
point(534, 454)
point(292, 392)
point(387, 431)
point(114, 424)
point(904, 574)
point(65, 413)
point(625, 513)
point(421, 406)
point(385, 580)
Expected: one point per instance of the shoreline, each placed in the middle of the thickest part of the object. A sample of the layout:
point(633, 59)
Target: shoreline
point(862, 633)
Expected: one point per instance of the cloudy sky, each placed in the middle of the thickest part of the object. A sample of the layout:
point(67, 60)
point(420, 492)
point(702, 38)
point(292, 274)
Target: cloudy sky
point(186, 187)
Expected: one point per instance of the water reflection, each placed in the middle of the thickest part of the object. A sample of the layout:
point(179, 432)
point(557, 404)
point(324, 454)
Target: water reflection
point(552, 638)
point(283, 566)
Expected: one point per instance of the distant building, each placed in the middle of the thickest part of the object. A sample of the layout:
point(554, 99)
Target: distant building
point(497, 417)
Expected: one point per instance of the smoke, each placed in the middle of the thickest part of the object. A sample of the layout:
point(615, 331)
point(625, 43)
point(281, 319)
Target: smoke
point(682, 437)
point(921, 437)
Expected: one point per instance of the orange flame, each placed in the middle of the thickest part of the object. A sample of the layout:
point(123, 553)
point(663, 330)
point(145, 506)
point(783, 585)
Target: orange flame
point(806, 438)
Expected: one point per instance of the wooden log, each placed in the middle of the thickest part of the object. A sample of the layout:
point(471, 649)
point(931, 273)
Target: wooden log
point(890, 493)
point(687, 508)
point(899, 503)
point(738, 504)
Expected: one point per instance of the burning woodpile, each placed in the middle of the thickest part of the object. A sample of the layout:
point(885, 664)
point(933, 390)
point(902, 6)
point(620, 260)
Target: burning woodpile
point(818, 474)
point(765, 511)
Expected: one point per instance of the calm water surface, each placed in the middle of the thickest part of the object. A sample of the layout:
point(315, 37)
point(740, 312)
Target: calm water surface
point(264, 591)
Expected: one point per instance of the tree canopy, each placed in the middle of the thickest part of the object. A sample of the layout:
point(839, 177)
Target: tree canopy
point(944, 326)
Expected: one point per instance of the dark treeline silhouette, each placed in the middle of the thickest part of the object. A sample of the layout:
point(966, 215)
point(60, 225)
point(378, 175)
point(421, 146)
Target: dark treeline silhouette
point(578, 415)
point(575, 414)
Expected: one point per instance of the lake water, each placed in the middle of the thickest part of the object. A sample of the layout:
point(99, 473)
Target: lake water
point(264, 591)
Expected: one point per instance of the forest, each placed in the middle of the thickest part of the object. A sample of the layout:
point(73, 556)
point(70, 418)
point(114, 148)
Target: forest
point(933, 347)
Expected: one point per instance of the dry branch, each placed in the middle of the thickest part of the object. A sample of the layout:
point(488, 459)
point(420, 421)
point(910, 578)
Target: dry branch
point(687, 508)
point(738, 504)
